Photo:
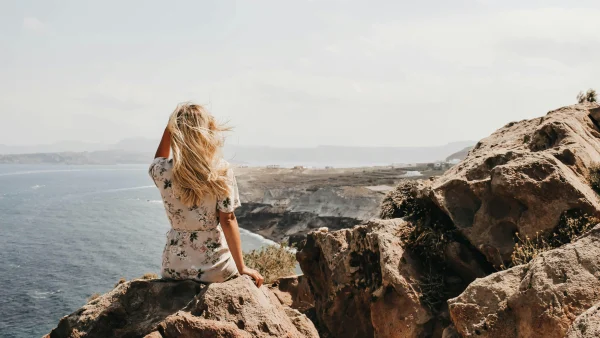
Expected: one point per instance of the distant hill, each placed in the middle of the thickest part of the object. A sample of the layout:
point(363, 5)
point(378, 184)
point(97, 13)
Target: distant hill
point(141, 150)
point(93, 157)
point(460, 155)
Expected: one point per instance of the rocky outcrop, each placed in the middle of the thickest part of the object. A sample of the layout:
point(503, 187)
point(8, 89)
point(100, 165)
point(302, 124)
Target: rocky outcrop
point(294, 292)
point(522, 178)
point(539, 299)
point(587, 325)
point(364, 283)
point(158, 308)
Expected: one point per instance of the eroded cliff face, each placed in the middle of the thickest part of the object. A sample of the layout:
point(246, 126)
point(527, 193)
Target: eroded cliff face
point(364, 283)
point(286, 204)
point(521, 179)
point(459, 230)
point(434, 269)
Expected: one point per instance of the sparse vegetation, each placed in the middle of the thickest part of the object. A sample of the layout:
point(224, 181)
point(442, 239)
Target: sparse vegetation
point(120, 281)
point(589, 96)
point(527, 248)
point(94, 296)
point(272, 261)
point(150, 275)
point(431, 230)
point(571, 226)
point(428, 234)
point(594, 177)
point(433, 290)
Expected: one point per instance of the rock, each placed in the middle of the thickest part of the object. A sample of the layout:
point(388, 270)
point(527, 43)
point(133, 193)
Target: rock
point(158, 308)
point(256, 311)
point(521, 179)
point(133, 308)
point(587, 325)
point(294, 292)
point(185, 325)
point(450, 332)
point(538, 299)
point(363, 282)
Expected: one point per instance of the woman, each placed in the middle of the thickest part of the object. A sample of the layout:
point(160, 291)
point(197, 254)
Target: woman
point(199, 193)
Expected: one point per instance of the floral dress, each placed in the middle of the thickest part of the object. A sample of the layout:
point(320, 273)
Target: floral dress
point(196, 247)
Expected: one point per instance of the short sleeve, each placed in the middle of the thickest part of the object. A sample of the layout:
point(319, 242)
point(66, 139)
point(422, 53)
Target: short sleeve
point(157, 169)
point(230, 202)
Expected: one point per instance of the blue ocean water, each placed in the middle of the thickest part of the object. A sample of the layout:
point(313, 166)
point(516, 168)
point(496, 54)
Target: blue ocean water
point(67, 232)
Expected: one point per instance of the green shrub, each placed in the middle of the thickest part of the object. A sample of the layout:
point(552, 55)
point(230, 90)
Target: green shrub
point(272, 261)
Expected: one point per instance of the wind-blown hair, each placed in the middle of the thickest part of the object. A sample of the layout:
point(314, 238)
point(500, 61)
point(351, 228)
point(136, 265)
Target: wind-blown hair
point(196, 141)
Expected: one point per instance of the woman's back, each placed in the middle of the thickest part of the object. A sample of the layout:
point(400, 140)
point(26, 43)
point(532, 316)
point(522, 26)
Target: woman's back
point(202, 217)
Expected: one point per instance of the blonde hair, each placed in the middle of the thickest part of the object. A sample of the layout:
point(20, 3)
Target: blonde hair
point(196, 141)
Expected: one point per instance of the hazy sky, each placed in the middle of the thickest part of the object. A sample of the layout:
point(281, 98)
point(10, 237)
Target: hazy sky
point(291, 73)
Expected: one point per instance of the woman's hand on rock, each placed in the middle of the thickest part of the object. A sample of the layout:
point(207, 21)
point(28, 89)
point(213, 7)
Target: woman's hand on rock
point(258, 279)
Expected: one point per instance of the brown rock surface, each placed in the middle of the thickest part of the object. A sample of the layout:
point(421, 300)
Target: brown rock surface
point(521, 179)
point(139, 308)
point(294, 292)
point(363, 282)
point(587, 325)
point(539, 299)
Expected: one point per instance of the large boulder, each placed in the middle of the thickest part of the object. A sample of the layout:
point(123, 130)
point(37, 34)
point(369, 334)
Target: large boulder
point(364, 283)
point(538, 299)
point(522, 178)
point(158, 308)
point(587, 325)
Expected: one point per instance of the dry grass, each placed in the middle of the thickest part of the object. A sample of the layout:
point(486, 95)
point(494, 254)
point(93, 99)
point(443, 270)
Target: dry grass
point(571, 226)
point(272, 261)
point(527, 248)
point(594, 177)
point(430, 230)
point(94, 296)
point(432, 289)
point(427, 234)
point(121, 281)
point(150, 275)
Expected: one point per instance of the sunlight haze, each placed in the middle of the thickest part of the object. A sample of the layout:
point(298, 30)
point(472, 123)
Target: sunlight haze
point(291, 73)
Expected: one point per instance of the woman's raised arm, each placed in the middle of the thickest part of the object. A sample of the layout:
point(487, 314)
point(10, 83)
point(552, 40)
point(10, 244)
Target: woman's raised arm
point(164, 148)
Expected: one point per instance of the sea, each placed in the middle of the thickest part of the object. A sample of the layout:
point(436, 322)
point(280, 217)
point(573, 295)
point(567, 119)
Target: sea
point(67, 232)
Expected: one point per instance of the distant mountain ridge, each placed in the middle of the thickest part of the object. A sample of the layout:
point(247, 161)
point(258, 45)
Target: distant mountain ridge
point(140, 150)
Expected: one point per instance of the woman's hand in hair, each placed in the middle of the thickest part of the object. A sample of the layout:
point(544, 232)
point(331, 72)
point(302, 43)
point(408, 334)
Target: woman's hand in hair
point(258, 279)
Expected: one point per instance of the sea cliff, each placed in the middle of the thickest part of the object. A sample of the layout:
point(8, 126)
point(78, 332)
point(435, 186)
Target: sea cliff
point(505, 244)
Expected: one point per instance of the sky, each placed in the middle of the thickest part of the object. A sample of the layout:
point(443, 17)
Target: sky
point(289, 73)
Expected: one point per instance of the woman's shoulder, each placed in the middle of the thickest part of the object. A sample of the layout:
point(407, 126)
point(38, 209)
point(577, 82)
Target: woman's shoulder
point(160, 166)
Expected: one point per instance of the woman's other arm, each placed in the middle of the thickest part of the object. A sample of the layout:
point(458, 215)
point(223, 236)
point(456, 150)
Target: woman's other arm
point(164, 148)
point(232, 235)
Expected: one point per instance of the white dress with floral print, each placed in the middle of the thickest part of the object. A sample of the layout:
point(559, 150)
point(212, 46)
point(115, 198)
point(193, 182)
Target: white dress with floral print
point(196, 247)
